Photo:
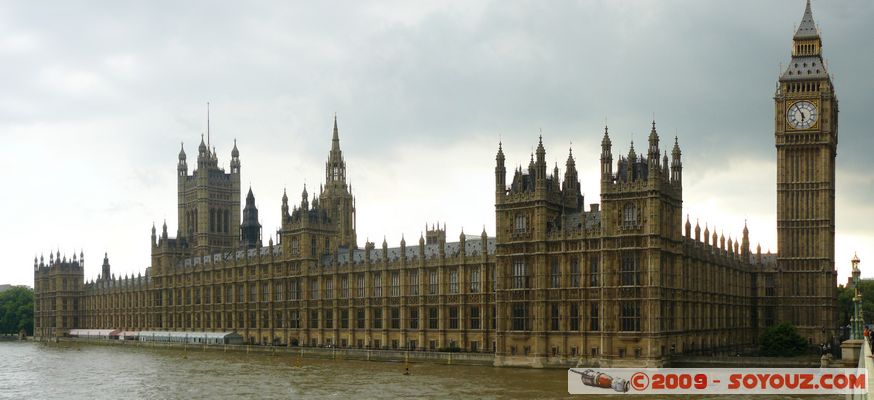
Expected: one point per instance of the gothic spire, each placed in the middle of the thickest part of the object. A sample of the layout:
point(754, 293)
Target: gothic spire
point(807, 27)
point(335, 140)
point(653, 153)
point(335, 168)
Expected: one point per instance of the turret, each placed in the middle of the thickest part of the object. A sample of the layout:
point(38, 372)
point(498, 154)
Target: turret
point(540, 165)
point(606, 158)
point(154, 236)
point(571, 184)
point(500, 173)
point(284, 205)
point(250, 229)
point(745, 244)
point(697, 231)
point(105, 267)
point(653, 153)
point(182, 166)
point(235, 159)
point(304, 199)
point(403, 247)
point(676, 164)
point(202, 154)
point(632, 162)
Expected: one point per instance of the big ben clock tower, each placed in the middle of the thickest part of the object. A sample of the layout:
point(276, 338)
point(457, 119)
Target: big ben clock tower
point(806, 135)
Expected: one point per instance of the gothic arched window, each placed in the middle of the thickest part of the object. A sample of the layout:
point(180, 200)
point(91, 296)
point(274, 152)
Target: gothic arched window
point(629, 215)
point(520, 223)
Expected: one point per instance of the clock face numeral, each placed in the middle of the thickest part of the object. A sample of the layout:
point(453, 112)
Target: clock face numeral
point(802, 115)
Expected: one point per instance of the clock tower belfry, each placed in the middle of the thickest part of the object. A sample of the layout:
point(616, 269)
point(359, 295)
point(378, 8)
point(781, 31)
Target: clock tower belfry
point(806, 136)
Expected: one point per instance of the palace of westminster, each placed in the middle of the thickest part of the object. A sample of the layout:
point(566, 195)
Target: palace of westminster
point(623, 282)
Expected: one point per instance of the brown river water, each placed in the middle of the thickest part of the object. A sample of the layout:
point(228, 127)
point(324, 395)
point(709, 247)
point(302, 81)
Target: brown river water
point(80, 371)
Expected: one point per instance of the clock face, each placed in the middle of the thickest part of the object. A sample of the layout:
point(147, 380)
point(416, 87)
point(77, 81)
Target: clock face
point(802, 115)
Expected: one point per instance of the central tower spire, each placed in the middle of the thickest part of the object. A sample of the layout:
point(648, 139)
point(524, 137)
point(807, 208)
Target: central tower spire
point(335, 168)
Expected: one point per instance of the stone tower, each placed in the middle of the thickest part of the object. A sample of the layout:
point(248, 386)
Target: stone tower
point(58, 290)
point(641, 228)
point(209, 202)
point(336, 198)
point(533, 208)
point(806, 135)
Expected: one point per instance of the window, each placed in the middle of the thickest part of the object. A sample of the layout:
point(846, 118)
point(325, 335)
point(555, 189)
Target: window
point(593, 271)
point(277, 292)
point(554, 317)
point(555, 276)
point(432, 282)
point(207, 296)
point(264, 294)
point(575, 317)
point(474, 280)
point(474, 318)
point(359, 318)
point(313, 246)
point(453, 281)
point(520, 317)
point(594, 323)
point(414, 283)
point(295, 246)
point(432, 318)
point(453, 317)
point(361, 288)
point(314, 319)
point(329, 288)
point(377, 284)
point(239, 293)
point(395, 284)
point(629, 316)
point(314, 288)
point(228, 297)
point(376, 318)
point(520, 223)
point(395, 318)
point(277, 320)
point(629, 273)
point(344, 287)
point(252, 294)
point(575, 272)
point(629, 215)
point(520, 274)
point(414, 318)
point(344, 319)
point(329, 319)
point(294, 289)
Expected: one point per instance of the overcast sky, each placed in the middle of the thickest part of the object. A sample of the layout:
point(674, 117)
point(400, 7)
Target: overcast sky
point(97, 97)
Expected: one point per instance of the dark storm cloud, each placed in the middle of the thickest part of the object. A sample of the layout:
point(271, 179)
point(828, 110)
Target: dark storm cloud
point(97, 96)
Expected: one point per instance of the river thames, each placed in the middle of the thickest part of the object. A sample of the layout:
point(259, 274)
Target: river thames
point(79, 371)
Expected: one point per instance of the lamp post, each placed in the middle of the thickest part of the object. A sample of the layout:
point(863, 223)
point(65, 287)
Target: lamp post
point(857, 321)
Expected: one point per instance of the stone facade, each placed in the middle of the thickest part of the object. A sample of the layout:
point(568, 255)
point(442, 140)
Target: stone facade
point(623, 282)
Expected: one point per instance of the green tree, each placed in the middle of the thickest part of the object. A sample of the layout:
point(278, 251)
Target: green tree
point(16, 310)
point(782, 341)
point(845, 301)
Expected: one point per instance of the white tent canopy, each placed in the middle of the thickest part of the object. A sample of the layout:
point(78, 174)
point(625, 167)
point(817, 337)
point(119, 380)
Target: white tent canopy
point(93, 333)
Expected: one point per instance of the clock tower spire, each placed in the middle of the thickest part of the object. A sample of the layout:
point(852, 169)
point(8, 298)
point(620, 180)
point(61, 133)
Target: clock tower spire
point(806, 137)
